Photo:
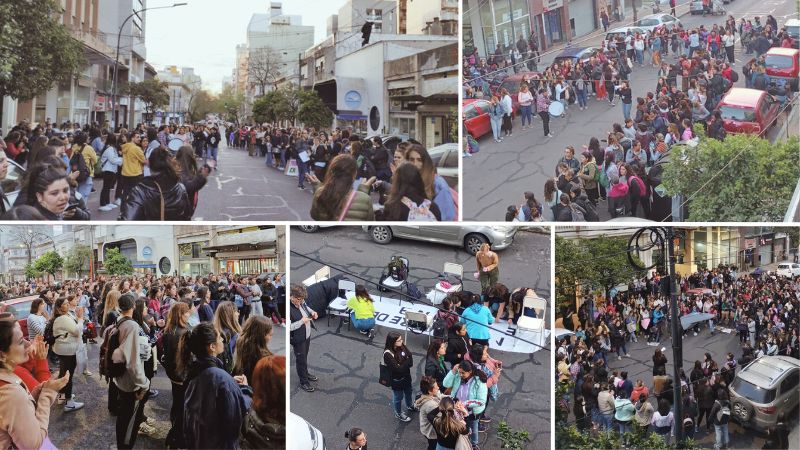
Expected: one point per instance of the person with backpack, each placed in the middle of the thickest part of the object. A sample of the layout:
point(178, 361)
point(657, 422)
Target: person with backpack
point(83, 161)
point(124, 357)
point(720, 416)
point(637, 191)
point(362, 311)
point(216, 403)
point(335, 199)
point(67, 330)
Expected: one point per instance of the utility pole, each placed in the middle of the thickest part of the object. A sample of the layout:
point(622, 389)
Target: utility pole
point(643, 240)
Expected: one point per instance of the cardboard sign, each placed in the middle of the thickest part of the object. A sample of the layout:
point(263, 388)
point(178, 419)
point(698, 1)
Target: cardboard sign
point(291, 168)
point(390, 312)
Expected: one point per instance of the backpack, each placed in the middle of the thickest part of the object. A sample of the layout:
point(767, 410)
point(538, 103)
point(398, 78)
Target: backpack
point(724, 414)
point(419, 213)
point(366, 169)
point(49, 337)
point(439, 327)
point(227, 352)
point(603, 178)
point(107, 367)
point(413, 291)
point(640, 184)
point(78, 163)
point(397, 269)
point(734, 76)
point(577, 214)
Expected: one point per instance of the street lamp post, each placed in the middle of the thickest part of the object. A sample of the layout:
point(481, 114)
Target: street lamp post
point(115, 85)
point(662, 237)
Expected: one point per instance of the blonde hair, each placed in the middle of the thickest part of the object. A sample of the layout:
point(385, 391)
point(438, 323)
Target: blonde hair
point(112, 302)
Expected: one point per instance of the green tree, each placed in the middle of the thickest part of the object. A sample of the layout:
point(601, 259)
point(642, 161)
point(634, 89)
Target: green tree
point(312, 111)
point(153, 93)
point(743, 179)
point(269, 107)
point(566, 276)
point(229, 104)
point(77, 260)
point(200, 104)
point(30, 271)
point(116, 263)
point(49, 263)
point(36, 51)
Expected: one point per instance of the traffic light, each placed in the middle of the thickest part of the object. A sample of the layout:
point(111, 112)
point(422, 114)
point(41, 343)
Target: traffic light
point(366, 31)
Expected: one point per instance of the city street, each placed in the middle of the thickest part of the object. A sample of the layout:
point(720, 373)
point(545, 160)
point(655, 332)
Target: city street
point(500, 173)
point(92, 426)
point(348, 394)
point(242, 188)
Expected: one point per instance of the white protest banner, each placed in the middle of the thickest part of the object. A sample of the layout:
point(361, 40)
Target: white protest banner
point(390, 312)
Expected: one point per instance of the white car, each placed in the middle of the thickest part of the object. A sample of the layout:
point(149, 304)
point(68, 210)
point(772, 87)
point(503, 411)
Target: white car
point(304, 435)
point(12, 183)
point(788, 269)
point(653, 21)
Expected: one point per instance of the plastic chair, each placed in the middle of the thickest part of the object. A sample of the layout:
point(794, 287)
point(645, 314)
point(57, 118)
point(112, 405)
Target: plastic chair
point(418, 316)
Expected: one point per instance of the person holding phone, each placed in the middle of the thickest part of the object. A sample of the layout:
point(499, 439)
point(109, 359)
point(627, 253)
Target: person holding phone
point(467, 383)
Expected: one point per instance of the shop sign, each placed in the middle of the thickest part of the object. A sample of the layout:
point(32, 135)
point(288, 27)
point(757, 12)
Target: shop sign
point(352, 99)
point(549, 5)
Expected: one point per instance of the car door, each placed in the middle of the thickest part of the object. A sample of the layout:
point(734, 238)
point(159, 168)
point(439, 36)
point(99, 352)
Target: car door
point(482, 119)
point(442, 235)
point(406, 231)
point(788, 396)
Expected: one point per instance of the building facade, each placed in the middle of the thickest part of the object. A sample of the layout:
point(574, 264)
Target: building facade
point(183, 85)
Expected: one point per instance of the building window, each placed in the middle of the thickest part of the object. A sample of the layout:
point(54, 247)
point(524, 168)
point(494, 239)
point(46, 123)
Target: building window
point(403, 126)
point(374, 15)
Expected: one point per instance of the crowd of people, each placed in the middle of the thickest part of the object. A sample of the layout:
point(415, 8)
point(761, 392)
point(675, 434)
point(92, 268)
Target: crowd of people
point(149, 181)
point(460, 378)
point(624, 169)
point(763, 311)
point(209, 334)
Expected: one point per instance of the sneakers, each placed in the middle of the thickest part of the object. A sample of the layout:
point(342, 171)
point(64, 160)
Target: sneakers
point(482, 428)
point(113, 205)
point(150, 421)
point(412, 408)
point(152, 393)
point(551, 135)
point(371, 334)
point(364, 332)
point(72, 406)
point(307, 387)
point(118, 201)
point(87, 373)
point(61, 399)
point(312, 377)
point(485, 419)
point(403, 417)
point(147, 430)
point(106, 208)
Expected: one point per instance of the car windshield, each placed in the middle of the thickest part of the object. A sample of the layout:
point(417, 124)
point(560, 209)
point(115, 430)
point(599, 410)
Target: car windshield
point(740, 114)
point(752, 392)
point(778, 61)
point(793, 31)
point(647, 22)
point(512, 86)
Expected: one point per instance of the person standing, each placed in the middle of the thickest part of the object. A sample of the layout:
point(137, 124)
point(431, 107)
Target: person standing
point(720, 416)
point(427, 403)
point(177, 325)
point(525, 98)
point(302, 317)
point(496, 118)
point(508, 111)
point(255, 303)
point(134, 349)
point(399, 359)
point(110, 162)
point(212, 146)
point(467, 386)
point(542, 108)
point(488, 270)
point(67, 328)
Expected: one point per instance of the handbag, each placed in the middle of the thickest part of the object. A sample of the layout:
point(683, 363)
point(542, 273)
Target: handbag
point(385, 376)
point(463, 442)
point(161, 194)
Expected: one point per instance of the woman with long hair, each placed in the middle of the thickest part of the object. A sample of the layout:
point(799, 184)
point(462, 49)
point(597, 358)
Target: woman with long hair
point(362, 311)
point(68, 329)
point(252, 345)
point(193, 179)
point(448, 423)
point(473, 396)
point(264, 426)
point(398, 358)
point(434, 360)
point(551, 196)
point(110, 162)
point(39, 144)
point(177, 325)
point(335, 199)
point(436, 187)
point(213, 396)
point(48, 191)
point(408, 197)
point(226, 321)
point(161, 196)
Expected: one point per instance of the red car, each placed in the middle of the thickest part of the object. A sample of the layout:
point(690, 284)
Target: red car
point(476, 116)
point(748, 111)
point(783, 63)
point(513, 82)
point(21, 308)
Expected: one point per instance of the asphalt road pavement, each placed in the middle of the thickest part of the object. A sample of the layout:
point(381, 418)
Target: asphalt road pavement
point(499, 174)
point(348, 393)
point(93, 428)
point(242, 188)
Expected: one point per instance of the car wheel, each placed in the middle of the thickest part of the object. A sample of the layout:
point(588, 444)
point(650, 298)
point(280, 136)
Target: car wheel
point(381, 234)
point(309, 228)
point(742, 411)
point(473, 242)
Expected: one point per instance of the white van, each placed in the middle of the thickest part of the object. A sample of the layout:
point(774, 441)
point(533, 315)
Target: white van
point(788, 269)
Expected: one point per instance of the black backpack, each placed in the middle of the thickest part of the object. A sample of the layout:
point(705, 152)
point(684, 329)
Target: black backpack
point(439, 327)
point(734, 76)
point(49, 337)
point(108, 368)
point(78, 163)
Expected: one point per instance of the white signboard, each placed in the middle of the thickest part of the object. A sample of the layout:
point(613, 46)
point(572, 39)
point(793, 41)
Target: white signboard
point(390, 312)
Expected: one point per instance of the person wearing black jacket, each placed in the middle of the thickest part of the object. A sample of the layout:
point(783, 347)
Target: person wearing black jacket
point(458, 344)
point(212, 141)
point(160, 196)
point(199, 142)
point(381, 160)
point(302, 317)
point(176, 327)
point(434, 361)
point(399, 359)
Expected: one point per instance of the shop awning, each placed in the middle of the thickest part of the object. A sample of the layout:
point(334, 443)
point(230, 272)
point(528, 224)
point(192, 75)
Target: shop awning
point(350, 117)
point(253, 254)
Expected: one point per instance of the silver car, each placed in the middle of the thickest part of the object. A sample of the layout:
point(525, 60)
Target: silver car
point(764, 389)
point(470, 237)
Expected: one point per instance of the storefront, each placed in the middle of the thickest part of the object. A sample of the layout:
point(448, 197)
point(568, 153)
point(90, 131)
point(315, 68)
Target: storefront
point(192, 259)
point(553, 29)
point(248, 266)
point(502, 22)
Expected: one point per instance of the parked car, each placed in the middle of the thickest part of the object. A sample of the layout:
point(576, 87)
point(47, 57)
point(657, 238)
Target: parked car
point(445, 158)
point(20, 307)
point(783, 64)
point(717, 8)
point(764, 389)
point(748, 111)
point(469, 237)
point(788, 269)
point(304, 435)
point(582, 54)
point(12, 183)
point(611, 36)
point(793, 28)
point(513, 82)
point(476, 117)
point(653, 21)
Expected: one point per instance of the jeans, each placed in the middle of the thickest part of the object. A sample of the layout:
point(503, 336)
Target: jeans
point(607, 421)
point(581, 98)
point(711, 326)
point(496, 127)
point(441, 447)
point(269, 159)
point(211, 153)
point(721, 436)
point(626, 110)
point(85, 189)
point(624, 427)
point(283, 157)
point(622, 349)
point(109, 180)
point(302, 170)
point(526, 114)
point(131, 415)
point(472, 423)
point(67, 363)
point(397, 398)
point(640, 56)
point(362, 324)
point(301, 360)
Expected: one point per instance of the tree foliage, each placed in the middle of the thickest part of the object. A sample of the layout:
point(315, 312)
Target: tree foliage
point(741, 179)
point(49, 263)
point(36, 51)
point(30, 271)
point(292, 104)
point(116, 263)
point(312, 112)
point(78, 259)
point(600, 262)
point(269, 107)
point(153, 93)
point(201, 103)
point(229, 103)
